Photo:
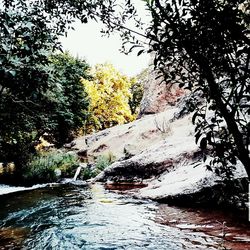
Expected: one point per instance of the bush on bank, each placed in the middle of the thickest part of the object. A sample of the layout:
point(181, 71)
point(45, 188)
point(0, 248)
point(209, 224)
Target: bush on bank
point(50, 167)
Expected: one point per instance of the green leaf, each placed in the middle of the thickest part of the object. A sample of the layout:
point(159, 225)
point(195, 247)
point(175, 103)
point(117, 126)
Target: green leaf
point(203, 143)
point(29, 25)
point(140, 52)
point(12, 72)
point(5, 48)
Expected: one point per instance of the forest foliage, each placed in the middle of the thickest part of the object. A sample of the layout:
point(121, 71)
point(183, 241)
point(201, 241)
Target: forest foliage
point(109, 93)
point(26, 89)
point(41, 88)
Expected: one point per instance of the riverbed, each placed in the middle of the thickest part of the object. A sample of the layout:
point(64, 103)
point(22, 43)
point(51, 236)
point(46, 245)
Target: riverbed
point(92, 217)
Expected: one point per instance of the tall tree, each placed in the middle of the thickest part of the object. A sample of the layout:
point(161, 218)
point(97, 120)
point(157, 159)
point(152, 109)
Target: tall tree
point(71, 109)
point(38, 92)
point(27, 38)
point(205, 46)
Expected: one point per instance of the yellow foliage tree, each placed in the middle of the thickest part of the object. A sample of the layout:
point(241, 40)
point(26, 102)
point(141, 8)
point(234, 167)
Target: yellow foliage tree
point(109, 94)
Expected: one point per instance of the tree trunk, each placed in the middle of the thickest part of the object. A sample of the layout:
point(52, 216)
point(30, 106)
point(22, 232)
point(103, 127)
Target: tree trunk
point(242, 149)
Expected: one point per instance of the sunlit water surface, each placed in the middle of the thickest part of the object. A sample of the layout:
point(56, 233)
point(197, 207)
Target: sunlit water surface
point(76, 217)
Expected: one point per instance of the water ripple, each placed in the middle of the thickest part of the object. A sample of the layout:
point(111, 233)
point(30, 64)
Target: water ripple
point(68, 217)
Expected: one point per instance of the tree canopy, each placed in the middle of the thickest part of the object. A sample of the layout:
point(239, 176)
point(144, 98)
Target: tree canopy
point(39, 91)
point(71, 108)
point(109, 93)
point(26, 41)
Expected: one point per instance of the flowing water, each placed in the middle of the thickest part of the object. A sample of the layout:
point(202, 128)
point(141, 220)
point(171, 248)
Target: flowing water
point(78, 217)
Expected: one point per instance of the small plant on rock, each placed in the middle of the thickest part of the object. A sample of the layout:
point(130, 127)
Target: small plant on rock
point(101, 162)
point(104, 161)
point(163, 126)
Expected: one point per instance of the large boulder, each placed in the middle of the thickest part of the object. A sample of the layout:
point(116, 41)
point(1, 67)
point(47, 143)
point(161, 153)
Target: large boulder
point(127, 140)
point(167, 153)
point(174, 171)
point(186, 180)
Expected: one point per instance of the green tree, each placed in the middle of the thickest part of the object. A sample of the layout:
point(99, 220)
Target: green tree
point(26, 41)
point(39, 92)
point(204, 46)
point(72, 109)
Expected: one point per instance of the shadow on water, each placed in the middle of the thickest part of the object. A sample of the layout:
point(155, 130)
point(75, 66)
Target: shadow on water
point(74, 217)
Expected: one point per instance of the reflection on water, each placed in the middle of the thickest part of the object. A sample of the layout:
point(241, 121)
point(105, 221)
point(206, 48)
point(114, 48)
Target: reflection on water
point(228, 226)
point(70, 217)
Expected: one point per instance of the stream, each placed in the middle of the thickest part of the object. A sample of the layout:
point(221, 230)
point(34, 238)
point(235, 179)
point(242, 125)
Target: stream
point(91, 217)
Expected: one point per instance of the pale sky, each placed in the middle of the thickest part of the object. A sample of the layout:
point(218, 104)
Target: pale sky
point(87, 42)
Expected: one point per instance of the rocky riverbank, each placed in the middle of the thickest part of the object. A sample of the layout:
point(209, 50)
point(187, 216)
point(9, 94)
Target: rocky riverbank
point(159, 152)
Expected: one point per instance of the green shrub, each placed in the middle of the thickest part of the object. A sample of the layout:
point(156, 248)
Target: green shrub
point(87, 173)
point(101, 162)
point(42, 168)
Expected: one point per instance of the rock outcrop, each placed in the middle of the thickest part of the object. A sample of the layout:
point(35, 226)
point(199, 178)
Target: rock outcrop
point(157, 96)
point(176, 149)
point(125, 141)
point(159, 151)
